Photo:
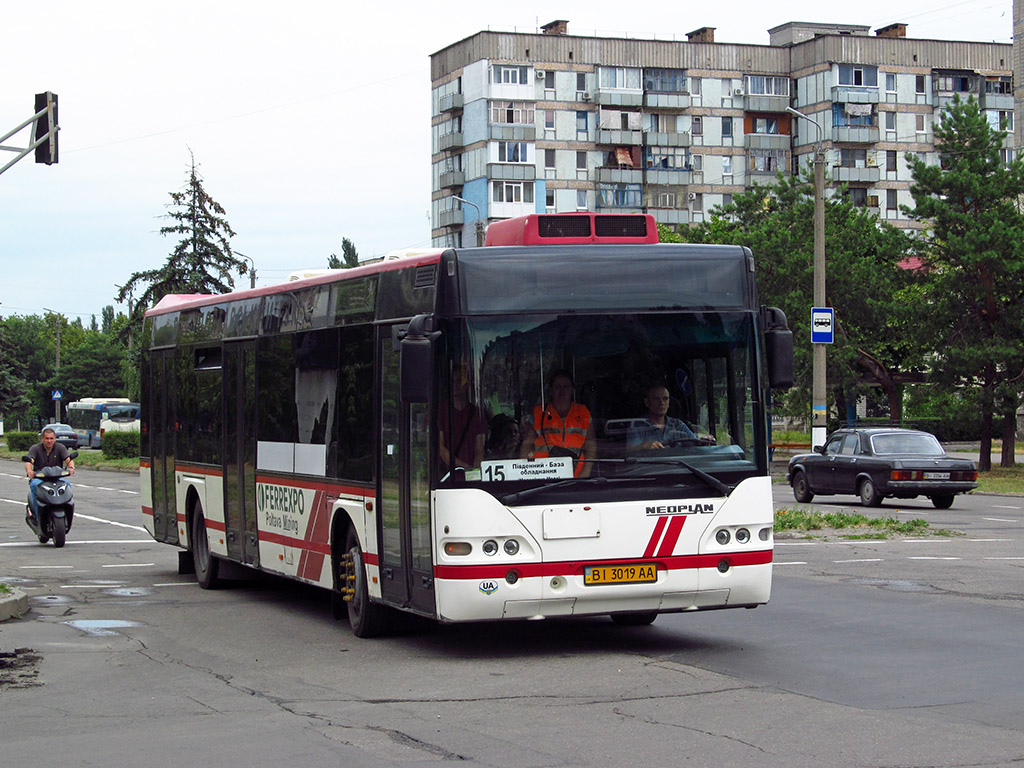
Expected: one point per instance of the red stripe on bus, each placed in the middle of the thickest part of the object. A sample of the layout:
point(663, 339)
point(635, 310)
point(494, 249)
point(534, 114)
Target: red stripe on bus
point(313, 485)
point(147, 511)
point(668, 544)
point(290, 541)
point(575, 568)
point(197, 469)
point(213, 525)
point(652, 545)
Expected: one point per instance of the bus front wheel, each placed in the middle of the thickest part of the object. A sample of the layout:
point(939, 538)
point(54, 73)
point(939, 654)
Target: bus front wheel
point(366, 619)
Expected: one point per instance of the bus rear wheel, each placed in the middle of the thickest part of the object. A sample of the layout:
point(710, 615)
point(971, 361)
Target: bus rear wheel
point(366, 619)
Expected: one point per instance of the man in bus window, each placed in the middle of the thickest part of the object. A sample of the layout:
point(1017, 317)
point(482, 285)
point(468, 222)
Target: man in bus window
point(467, 424)
point(658, 429)
point(562, 428)
point(46, 453)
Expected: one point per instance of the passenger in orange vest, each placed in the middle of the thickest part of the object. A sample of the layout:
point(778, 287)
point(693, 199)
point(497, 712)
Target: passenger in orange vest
point(562, 428)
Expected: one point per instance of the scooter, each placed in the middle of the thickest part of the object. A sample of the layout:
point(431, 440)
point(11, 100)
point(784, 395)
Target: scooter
point(56, 503)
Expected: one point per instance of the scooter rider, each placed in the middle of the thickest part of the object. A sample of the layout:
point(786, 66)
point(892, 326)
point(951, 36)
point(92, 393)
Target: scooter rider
point(47, 453)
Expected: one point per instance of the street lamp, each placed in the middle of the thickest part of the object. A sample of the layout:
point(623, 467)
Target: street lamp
point(252, 268)
point(479, 220)
point(819, 405)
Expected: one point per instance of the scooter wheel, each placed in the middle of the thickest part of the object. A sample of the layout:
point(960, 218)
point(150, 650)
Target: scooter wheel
point(59, 532)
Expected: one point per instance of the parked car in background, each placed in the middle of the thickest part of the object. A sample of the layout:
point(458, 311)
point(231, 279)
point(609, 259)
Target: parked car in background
point(877, 463)
point(66, 436)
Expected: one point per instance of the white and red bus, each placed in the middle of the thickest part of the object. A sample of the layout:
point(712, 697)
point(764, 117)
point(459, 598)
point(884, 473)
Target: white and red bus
point(297, 429)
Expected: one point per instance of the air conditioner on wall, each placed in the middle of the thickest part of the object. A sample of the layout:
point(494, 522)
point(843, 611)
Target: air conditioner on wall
point(540, 74)
point(738, 92)
point(691, 196)
point(585, 97)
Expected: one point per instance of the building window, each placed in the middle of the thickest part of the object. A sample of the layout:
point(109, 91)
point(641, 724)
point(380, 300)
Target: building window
point(581, 81)
point(890, 199)
point(581, 161)
point(696, 201)
point(858, 196)
point(697, 125)
point(760, 85)
point(853, 158)
point(766, 160)
point(666, 158)
point(726, 200)
point(549, 158)
point(919, 84)
point(665, 80)
point(726, 127)
point(954, 83)
point(515, 112)
point(512, 152)
point(581, 200)
point(507, 75)
point(852, 116)
point(919, 124)
point(695, 86)
point(766, 125)
point(549, 80)
point(620, 196)
point(727, 165)
point(697, 162)
point(890, 159)
point(996, 85)
point(549, 200)
point(999, 119)
point(619, 77)
point(581, 124)
point(890, 82)
point(858, 75)
point(890, 121)
point(512, 191)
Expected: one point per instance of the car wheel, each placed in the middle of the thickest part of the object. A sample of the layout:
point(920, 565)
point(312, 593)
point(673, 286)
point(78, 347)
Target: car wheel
point(801, 490)
point(943, 502)
point(869, 495)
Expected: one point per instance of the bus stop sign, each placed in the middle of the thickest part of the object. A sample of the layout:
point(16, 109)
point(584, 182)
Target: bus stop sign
point(822, 325)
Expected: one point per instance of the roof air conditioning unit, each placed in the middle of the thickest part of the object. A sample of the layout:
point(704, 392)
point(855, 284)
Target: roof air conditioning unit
point(586, 96)
point(540, 74)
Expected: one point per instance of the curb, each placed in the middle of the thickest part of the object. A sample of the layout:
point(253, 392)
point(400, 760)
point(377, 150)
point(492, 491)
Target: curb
point(13, 604)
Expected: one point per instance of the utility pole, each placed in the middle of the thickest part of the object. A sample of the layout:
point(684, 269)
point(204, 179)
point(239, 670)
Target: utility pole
point(819, 402)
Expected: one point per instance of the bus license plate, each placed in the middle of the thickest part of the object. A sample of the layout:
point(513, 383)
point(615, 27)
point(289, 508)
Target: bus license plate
point(936, 475)
point(638, 573)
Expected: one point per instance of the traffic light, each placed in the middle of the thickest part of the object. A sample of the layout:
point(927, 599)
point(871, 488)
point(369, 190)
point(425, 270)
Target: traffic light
point(46, 128)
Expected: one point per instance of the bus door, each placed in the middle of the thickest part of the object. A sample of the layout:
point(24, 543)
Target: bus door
point(162, 428)
point(240, 451)
point(406, 563)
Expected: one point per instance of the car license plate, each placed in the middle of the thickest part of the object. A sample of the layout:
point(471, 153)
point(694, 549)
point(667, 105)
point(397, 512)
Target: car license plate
point(936, 475)
point(637, 573)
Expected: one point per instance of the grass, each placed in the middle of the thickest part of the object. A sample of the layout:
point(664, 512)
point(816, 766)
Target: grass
point(4, 589)
point(872, 527)
point(1002, 479)
point(86, 458)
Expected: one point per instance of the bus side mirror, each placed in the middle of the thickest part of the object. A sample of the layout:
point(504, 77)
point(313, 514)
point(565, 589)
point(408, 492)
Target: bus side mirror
point(778, 342)
point(416, 360)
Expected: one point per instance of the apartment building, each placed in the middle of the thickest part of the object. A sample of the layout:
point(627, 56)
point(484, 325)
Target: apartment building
point(551, 122)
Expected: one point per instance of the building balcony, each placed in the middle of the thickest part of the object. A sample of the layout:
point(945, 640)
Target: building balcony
point(618, 98)
point(845, 175)
point(667, 100)
point(855, 134)
point(451, 102)
point(512, 171)
point(758, 102)
point(767, 140)
point(620, 176)
point(661, 139)
point(513, 132)
point(453, 217)
point(668, 177)
point(620, 138)
point(452, 179)
point(450, 141)
point(670, 215)
point(854, 94)
point(997, 101)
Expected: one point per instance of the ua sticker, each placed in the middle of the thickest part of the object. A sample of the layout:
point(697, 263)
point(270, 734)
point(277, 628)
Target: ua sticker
point(488, 587)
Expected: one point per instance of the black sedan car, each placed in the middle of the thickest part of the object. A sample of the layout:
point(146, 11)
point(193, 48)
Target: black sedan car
point(877, 463)
point(66, 436)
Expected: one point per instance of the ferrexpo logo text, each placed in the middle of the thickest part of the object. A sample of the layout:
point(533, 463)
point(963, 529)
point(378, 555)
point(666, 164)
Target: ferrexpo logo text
point(279, 505)
point(682, 508)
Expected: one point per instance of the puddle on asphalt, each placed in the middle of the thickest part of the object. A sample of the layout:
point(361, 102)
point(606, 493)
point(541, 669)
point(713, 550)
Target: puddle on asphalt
point(52, 599)
point(896, 585)
point(100, 627)
point(129, 592)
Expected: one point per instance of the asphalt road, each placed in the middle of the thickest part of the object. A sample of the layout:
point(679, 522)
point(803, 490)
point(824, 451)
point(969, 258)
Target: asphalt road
point(871, 653)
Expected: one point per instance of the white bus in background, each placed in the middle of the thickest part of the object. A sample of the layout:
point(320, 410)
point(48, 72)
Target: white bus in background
point(92, 417)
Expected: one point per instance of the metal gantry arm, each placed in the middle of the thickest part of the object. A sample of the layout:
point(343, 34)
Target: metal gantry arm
point(49, 112)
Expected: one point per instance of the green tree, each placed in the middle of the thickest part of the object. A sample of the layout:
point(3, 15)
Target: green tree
point(865, 283)
point(93, 369)
point(974, 264)
point(108, 318)
point(202, 260)
point(350, 257)
point(14, 386)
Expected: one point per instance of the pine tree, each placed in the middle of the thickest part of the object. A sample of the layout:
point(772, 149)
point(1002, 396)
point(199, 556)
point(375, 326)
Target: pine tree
point(974, 264)
point(350, 257)
point(202, 260)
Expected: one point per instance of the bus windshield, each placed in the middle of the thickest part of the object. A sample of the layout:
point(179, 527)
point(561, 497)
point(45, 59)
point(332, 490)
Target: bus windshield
point(629, 399)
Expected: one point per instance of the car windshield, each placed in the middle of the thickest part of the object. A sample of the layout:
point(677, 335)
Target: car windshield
point(914, 444)
point(632, 399)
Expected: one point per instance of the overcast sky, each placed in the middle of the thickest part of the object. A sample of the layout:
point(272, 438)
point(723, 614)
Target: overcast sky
point(309, 120)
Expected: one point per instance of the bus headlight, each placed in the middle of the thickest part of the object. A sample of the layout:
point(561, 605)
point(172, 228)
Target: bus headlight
point(722, 537)
point(511, 547)
point(490, 547)
point(742, 536)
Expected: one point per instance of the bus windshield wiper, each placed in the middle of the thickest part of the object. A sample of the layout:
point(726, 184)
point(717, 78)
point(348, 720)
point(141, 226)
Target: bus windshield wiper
point(709, 479)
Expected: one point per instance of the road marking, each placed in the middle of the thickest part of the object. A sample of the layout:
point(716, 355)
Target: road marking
point(797, 543)
point(110, 522)
point(23, 502)
point(1004, 558)
point(176, 584)
point(45, 567)
point(1004, 506)
point(129, 565)
point(860, 560)
point(794, 562)
point(990, 539)
point(80, 543)
point(998, 520)
point(925, 557)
